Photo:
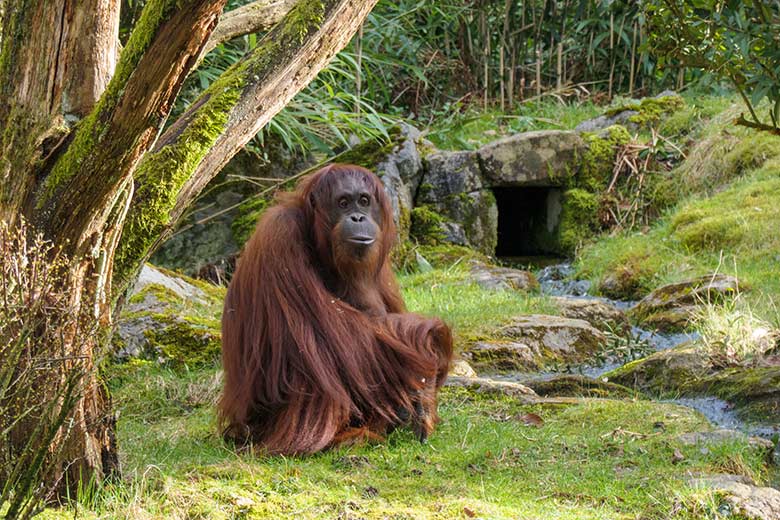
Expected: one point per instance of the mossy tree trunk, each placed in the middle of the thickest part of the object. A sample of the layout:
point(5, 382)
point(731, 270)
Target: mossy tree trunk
point(83, 154)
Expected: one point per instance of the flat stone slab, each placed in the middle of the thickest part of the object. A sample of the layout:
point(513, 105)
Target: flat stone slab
point(598, 313)
point(151, 275)
point(528, 342)
point(497, 278)
point(541, 158)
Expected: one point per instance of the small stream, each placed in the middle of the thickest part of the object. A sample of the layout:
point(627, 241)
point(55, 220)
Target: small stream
point(556, 279)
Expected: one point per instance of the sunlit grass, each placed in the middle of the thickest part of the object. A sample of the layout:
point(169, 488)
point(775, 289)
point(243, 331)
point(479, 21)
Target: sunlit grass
point(592, 460)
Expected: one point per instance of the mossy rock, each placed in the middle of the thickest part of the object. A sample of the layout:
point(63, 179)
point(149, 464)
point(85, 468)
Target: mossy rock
point(579, 218)
point(427, 226)
point(672, 307)
point(650, 111)
point(598, 161)
point(186, 341)
point(580, 386)
point(755, 391)
point(664, 371)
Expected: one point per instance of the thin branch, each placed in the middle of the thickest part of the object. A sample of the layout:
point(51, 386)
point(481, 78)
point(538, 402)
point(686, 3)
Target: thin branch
point(254, 17)
point(742, 121)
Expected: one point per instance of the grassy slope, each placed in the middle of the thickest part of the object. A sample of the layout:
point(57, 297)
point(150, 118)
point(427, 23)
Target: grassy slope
point(728, 220)
point(481, 458)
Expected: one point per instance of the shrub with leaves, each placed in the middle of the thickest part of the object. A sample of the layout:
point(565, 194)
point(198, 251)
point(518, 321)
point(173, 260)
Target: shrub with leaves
point(35, 320)
point(734, 39)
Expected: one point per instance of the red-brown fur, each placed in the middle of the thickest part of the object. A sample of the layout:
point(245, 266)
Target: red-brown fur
point(318, 349)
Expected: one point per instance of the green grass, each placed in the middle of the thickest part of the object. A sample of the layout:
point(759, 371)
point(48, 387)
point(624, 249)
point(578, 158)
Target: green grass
point(474, 127)
point(467, 308)
point(594, 459)
point(734, 232)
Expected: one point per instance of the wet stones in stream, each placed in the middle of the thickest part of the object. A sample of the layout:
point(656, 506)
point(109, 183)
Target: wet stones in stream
point(687, 371)
point(599, 313)
point(534, 341)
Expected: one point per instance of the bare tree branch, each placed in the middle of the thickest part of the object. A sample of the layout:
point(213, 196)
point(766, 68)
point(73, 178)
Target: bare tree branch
point(226, 116)
point(257, 16)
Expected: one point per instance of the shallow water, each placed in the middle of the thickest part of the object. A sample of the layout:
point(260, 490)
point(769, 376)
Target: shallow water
point(557, 280)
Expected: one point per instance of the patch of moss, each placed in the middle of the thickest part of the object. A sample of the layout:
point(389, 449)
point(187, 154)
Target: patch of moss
point(651, 110)
point(579, 218)
point(370, 153)
point(445, 255)
point(187, 341)
point(426, 226)
point(599, 159)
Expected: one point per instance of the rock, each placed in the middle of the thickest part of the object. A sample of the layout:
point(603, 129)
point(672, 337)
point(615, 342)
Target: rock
point(452, 185)
point(171, 319)
point(753, 391)
point(746, 499)
point(725, 435)
point(529, 342)
point(600, 314)
point(578, 386)
point(622, 283)
point(461, 368)
point(497, 278)
point(491, 386)
point(664, 371)
point(605, 121)
point(670, 307)
point(505, 355)
point(401, 171)
point(541, 158)
point(151, 275)
point(558, 280)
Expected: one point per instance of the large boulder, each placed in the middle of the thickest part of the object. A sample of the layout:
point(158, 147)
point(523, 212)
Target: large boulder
point(541, 158)
point(531, 342)
point(452, 186)
point(672, 306)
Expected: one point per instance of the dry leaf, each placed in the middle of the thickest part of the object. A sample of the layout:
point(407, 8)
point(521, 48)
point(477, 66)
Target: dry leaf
point(530, 419)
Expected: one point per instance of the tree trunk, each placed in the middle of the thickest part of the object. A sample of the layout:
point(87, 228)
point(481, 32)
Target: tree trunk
point(83, 157)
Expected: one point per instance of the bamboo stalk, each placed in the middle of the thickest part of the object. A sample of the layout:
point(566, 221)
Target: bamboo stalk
point(538, 71)
point(611, 52)
point(559, 82)
point(633, 59)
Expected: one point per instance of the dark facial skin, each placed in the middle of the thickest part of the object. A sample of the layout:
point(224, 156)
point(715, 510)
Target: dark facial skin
point(355, 215)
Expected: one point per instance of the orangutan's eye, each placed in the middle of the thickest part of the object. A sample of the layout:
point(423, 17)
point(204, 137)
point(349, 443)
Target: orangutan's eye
point(364, 200)
point(343, 203)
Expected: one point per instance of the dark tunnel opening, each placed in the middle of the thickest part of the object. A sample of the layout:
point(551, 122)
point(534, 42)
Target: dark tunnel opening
point(528, 219)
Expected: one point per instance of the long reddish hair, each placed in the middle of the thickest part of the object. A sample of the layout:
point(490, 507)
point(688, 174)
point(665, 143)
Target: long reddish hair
point(302, 363)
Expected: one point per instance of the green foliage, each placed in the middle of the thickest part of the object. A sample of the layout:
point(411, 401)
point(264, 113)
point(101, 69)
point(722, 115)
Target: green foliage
point(735, 40)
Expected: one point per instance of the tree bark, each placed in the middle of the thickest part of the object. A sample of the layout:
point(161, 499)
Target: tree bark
point(80, 156)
